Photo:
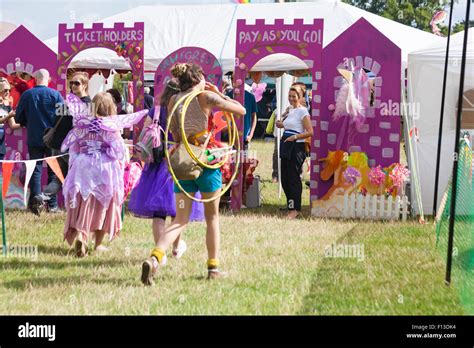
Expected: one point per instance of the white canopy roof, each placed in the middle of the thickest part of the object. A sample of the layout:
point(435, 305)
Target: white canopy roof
point(425, 83)
point(213, 27)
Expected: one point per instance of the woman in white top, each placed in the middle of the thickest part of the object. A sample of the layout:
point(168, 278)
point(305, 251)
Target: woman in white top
point(297, 127)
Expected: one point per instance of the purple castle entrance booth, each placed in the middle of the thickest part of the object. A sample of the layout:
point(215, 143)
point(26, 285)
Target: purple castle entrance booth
point(361, 46)
point(21, 51)
point(256, 41)
point(127, 42)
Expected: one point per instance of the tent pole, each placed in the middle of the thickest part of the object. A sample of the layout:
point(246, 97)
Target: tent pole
point(279, 105)
point(441, 115)
point(4, 232)
point(452, 214)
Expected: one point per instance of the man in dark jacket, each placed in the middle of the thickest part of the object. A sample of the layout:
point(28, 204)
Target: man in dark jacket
point(37, 110)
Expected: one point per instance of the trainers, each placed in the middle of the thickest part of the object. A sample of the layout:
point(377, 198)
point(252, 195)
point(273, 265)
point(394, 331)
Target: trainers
point(149, 268)
point(216, 274)
point(35, 210)
point(37, 204)
point(164, 261)
point(54, 210)
point(179, 251)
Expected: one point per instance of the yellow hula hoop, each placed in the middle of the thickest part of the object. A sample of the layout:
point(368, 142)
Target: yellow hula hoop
point(186, 142)
point(233, 134)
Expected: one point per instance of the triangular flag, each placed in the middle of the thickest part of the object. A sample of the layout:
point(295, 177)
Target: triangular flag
point(30, 167)
point(7, 168)
point(54, 165)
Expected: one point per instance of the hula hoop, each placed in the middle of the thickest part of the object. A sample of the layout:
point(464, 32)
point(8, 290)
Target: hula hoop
point(233, 134)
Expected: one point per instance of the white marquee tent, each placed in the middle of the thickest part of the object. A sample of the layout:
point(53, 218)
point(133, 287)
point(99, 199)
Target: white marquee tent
point(213, 27)
point(425, 82)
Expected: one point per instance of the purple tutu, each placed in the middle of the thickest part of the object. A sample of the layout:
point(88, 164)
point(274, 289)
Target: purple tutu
point(153, 197)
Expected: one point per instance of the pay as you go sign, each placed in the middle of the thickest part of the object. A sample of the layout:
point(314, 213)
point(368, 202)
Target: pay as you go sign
point(288, 35)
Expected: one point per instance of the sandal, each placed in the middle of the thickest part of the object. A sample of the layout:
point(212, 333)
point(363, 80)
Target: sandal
point(80, 248)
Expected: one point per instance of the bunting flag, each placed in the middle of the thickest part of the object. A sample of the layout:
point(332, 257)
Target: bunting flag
point(30, 167)
point(54, 165)
point(219, 122)
point(7, 169)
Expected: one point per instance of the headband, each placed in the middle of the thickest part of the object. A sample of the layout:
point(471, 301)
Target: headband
point(172, 87)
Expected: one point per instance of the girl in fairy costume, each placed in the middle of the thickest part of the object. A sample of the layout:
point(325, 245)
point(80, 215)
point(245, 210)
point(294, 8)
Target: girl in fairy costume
point(93, 188)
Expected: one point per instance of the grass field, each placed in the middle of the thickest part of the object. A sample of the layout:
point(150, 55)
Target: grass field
point(275, 267)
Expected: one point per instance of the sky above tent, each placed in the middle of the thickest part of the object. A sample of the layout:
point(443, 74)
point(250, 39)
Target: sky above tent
point(42, 17)
point(43, 20)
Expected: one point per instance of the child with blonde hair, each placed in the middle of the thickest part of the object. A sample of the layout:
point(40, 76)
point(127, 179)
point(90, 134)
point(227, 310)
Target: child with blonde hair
point(93, 188)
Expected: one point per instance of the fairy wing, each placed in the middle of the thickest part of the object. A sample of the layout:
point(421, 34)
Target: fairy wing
point(118, 122)
point(81, 115)
point(79, 110)
point(72, 139)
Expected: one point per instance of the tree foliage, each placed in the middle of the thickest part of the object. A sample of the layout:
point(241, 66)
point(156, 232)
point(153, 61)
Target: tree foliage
point(415, 13)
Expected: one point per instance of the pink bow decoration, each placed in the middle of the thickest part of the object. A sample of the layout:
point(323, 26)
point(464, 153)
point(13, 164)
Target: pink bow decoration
point(258, 89)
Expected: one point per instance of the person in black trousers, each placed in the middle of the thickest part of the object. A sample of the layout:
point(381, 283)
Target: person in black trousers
point(36, 110)
point(297, 127)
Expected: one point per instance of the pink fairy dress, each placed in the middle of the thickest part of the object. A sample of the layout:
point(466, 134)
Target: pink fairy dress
point(93, 189)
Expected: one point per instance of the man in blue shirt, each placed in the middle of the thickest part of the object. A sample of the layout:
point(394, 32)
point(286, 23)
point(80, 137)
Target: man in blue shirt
point(149, 100)
point(37, 110)
point(250, 119)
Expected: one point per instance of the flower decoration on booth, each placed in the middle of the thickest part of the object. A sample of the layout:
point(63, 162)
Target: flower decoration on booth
point(363, 191)
point(376, 176)
point(130, 52)
point(399, 175)
point(351, 175)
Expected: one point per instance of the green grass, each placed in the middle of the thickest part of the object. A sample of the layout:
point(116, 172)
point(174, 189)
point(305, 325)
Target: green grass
point(401, 274)
point(275, 267)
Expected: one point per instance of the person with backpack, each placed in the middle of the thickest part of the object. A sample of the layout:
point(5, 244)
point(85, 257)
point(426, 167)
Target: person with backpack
point(153, 197)
point(209, 181)
point(37, 111)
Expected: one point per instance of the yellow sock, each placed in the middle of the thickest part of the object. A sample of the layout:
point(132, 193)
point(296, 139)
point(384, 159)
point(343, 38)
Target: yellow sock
point(158, 253)
point(212, 263)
